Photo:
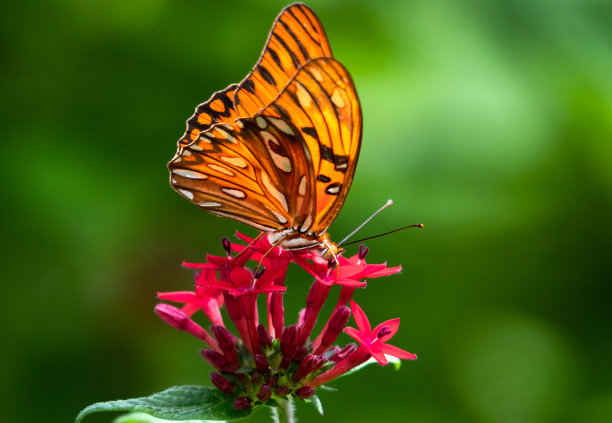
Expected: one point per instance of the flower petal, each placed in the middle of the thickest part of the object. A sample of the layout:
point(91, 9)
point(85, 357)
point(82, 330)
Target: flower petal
point(378, 355)
point(385, 272)
point(398, 352)
point(361, 319)
point(178, 296)
point(356, 335)
point(392, 327)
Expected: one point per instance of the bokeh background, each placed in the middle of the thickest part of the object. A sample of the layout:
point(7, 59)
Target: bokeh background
point(488, 121)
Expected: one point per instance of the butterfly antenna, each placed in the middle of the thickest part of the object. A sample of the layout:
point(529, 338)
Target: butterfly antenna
point(387, 204)
point(418, 225)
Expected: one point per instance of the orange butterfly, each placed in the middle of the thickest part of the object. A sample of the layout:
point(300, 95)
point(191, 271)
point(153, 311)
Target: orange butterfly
point(277, 151)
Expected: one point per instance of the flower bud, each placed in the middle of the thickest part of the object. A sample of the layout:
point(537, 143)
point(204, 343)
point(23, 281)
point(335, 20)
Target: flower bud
point(336, 324)
point(288, 340)
point(221, 383)
point(305, 392)
point(217, 360)
point(227, 342)
point(265, 392)
point(307, 365)
point(343, 353)
point(282, 391)
point(261, 364)
point(300, 353)
point(178, 319)
point(288, 345)
point(265, 339)
point(242, 403)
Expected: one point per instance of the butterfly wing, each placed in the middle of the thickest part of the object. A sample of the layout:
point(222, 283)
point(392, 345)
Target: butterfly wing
point(290, 166)
point(322, 103)
point(296, 37)
point(254, 170)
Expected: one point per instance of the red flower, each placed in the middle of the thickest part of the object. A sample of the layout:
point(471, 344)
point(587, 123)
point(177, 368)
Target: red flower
point(241, 282)
point(375, 340)
point(349, 272)
point(204, 298)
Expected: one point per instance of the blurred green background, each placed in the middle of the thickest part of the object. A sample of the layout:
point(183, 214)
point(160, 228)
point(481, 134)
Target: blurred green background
point(488, 121)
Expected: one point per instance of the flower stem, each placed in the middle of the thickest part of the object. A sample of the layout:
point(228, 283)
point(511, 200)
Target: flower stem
point(284, 413)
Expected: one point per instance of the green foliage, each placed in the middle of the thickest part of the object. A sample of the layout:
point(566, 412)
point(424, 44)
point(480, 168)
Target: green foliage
point(198, 403)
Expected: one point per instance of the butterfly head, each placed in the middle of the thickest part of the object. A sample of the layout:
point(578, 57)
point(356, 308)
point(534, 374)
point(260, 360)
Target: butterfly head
point(331, 250)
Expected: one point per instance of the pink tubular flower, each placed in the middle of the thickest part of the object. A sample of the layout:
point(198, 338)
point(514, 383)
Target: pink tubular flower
point(264, 364)
point(374, 340)
point(371, 344)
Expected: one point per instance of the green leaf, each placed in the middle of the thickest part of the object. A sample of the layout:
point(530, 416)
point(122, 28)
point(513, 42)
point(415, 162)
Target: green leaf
point(316, 402)
point(177, 403)
point(145, 418)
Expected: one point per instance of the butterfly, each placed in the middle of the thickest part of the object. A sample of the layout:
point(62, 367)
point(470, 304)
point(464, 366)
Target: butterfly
point(277, 151)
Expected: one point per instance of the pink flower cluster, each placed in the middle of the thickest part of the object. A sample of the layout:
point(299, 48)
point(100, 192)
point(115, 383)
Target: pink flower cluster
point(268, 362)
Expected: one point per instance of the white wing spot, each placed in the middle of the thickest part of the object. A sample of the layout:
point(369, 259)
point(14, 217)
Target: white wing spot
point(196, 147)
point(317, 74)
point(302, 186)
point(240, 124)
point(235, 161)
point(281, 162)
point(341, 166)
point(221, 169)
point(204, 138)
point(186, 153)
point(306, 224)
point(282, 125)
point(186, 193)
point(333, 188)
point(236, 193)
point(337, 98)
point(209, 204)
point(303, 96)
point(261, 122)
point(189, 174)
point(269, 137)
point(226, 135)
point(281, 219)
point(275, 193)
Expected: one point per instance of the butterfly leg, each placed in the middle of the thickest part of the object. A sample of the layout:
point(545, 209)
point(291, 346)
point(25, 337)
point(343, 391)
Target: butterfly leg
point(272, 247)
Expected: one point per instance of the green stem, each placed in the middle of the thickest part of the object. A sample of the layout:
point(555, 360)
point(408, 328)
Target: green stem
point(284, 413)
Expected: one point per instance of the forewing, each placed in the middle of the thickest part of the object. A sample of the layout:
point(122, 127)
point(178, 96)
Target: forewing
point(296, 37)
point(253, 170)
point(322, 103)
